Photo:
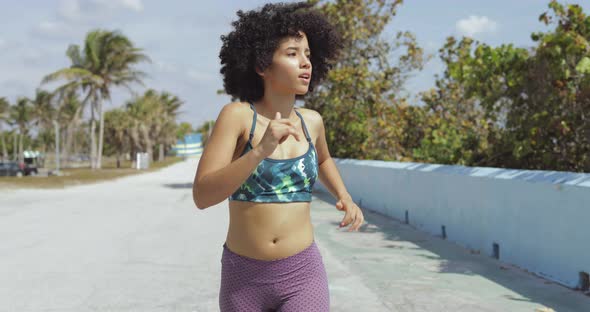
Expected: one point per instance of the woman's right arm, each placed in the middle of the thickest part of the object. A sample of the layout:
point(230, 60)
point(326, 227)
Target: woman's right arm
point(217, 177)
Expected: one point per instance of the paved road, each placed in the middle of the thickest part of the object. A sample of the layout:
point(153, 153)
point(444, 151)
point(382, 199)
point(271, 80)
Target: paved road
point(139, 244)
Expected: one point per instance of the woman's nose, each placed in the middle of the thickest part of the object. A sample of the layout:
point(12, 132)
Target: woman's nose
point(306, 63)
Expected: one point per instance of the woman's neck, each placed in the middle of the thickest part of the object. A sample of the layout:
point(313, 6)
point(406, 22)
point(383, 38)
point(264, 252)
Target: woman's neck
point(269, 105)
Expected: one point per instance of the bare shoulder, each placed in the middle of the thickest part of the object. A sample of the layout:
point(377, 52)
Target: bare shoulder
point(312, 117)
point(236, 112)
point(236, 109)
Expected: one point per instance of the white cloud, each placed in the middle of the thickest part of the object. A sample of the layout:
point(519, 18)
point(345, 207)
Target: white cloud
point(165, 67)
point(135, 5)
point(74, 17)
point(84, 10)
point(70, 10)
point(51, 28)
point(47, 29)
point(200, 76)
point(474, 25)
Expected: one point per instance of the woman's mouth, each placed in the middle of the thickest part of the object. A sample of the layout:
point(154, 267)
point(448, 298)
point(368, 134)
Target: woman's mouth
point(305, 78)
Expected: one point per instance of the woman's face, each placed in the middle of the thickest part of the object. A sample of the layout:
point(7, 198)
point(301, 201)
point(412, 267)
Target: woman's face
point(290, 71)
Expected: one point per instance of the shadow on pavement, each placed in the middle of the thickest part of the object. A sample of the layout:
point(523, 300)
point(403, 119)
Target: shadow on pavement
point(179, 185)
point(456, 259)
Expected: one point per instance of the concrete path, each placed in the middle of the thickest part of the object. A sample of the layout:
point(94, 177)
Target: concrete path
point(139, 244)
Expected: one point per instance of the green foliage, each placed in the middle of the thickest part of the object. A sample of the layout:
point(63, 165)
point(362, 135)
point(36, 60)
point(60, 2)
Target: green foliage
point(107, 59)
point(363, 85)
point(494, 106)
point(152, 120)
point(533, 103)
point(117, 123)
point(183, 129)
point(204, 130)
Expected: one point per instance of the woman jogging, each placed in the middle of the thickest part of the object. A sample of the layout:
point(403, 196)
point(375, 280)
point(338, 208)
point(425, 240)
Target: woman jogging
point(265, 155)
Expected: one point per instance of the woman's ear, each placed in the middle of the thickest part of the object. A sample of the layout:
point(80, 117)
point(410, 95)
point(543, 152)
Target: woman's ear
point(259, 72)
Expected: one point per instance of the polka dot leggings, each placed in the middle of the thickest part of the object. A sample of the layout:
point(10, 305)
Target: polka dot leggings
point(295, 283)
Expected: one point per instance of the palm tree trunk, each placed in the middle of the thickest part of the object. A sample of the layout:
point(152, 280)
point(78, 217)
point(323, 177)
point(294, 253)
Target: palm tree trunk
point(4, 150)
point(136, 145)
point(92, 139)
point(70, 130)
point(148, 142)
point(69, 140)
point(63, 132)
point(20, 147)
point(100, 134)
point(161, 153)
point(132, 153)
point(14, 146)
point(92, 144)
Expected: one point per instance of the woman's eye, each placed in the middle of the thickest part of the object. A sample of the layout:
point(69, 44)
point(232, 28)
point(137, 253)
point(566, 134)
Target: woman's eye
point(291, 54)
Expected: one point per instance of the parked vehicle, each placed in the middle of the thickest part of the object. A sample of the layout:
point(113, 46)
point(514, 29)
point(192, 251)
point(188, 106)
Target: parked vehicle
point(12, 168)
point(30, 166)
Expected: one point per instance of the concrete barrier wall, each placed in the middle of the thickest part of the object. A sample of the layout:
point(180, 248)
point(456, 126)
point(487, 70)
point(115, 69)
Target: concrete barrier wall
point(540, 220)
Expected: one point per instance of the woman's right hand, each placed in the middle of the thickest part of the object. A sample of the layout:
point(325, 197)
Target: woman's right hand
point(277, 131)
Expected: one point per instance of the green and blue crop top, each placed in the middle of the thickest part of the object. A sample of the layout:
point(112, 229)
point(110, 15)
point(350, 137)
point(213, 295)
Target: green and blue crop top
point(280, 180)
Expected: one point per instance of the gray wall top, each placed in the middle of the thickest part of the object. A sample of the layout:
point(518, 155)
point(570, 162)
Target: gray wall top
point(543, 176)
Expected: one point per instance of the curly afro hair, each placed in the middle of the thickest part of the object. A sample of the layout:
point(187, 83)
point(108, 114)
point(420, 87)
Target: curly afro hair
point(257, 35)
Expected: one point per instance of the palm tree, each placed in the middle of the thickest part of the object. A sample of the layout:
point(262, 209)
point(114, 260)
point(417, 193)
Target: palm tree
point(205, 130)
point(134, 111)
point(107, 60)
point(183, 129)
point(43, 114)
point(69, 118)
point(142, 112)
point(169, 105)
point(20, 115)
point(4, 113)
point(117, 124)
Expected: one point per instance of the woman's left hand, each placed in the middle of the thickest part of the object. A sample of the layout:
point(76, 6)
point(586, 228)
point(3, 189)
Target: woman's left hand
point(353, 214)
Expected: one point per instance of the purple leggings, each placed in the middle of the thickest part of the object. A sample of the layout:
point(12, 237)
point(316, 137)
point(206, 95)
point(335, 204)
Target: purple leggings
point(295, 283)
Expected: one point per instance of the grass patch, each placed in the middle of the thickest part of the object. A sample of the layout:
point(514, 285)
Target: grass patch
point(77, 176)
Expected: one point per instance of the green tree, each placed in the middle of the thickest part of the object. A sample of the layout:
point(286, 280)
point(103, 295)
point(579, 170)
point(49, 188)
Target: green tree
point(43, 113)
point(183, 129)
point(170, 105)
point(358, 95)
point(20, 116)
point(204, 130)
point(4, 116)
point(107, 60)
point(153, 120)
point(535, 103)
point(117, 125)
point(69, 119)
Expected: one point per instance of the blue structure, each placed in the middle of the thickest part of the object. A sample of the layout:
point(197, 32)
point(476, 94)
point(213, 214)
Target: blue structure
point(191, 146)
point(534, 219)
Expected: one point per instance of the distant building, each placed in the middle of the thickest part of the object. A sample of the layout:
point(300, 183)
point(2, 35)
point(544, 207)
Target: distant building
point(190, 146)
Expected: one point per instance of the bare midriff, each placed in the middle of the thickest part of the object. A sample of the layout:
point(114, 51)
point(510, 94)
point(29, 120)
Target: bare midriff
point(269, 231)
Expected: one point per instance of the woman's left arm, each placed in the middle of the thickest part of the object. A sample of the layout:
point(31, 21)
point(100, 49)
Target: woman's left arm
point(331, 179)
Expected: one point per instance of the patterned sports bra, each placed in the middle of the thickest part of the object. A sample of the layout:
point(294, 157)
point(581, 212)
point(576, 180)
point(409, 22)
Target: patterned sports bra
point(280, 180)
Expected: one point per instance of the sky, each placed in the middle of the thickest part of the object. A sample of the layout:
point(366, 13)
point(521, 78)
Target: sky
point(182, 38)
